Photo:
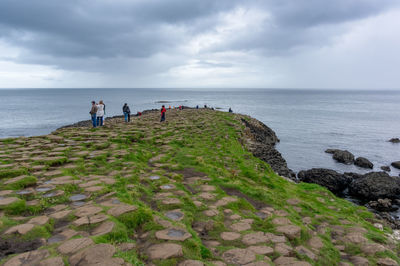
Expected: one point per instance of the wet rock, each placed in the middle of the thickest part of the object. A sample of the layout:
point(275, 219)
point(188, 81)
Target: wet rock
point(173, 234)
point(363, 162)
point(261, 142)
point(396, 164)
point(375, 185)
point(164, 251)
point(383, 205)
point(341, 156)
point(330, 179)
point(394, 140)
point(386, 168)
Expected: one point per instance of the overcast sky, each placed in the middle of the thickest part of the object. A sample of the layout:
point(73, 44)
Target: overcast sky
point(200, 43)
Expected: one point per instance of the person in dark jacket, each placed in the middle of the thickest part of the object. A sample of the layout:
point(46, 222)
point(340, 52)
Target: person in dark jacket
point(93, 112)
point(127, 112)
point(163, 111)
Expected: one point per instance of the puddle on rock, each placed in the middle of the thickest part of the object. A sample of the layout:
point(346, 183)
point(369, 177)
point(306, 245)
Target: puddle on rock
point(154, 177)
point(49, 195)
point(56, 239)
point(43, 189)
point(167, 187)
point(175, 233)
point(115, 201)
point(77, 197)
point(174, 215)
point(24, 192)
point(78, 203)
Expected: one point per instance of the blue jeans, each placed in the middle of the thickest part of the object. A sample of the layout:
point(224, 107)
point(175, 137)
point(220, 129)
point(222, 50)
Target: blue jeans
point(162, 117)
point(94, 120)
point(127, 117)
point(99, 121)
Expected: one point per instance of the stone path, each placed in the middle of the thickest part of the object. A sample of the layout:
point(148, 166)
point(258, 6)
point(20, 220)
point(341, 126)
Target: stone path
point(78, 189)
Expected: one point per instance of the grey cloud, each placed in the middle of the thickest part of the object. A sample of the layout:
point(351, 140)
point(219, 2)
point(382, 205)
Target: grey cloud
point(77, 34)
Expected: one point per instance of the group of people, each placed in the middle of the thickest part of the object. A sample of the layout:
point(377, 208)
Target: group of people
point(98, 111)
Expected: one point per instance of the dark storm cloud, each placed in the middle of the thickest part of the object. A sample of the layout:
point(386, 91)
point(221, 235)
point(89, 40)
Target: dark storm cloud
point(58, 32)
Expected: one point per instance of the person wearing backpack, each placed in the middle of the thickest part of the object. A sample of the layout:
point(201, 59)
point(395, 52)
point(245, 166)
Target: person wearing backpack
point(163, 111)
point(127, 112)
point(93, 113)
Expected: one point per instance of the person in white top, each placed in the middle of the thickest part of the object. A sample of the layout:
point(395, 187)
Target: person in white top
point(100, 113)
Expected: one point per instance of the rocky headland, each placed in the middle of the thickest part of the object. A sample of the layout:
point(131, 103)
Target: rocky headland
point(204, 188)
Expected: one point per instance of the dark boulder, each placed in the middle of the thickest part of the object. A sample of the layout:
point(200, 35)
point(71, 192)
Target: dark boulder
point(382, 205)
point(330, 179)
point(394, 140)
point(350, 176)
point(396, 164)
point(375, 185)
point(385, 168)
point(364, 163)
point(331, 151)
point(345, 157)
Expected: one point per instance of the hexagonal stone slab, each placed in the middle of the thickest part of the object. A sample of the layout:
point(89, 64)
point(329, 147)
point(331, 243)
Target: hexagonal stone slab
point(100, 254)
point(164, 251)
point(173, 234)
point(290, 231)
point(21, 229)
point(119, 210)
point(28, 258)
point(103, 229)
point(87, 211)
point(239, 256)
point(72, 246)
point(230, 236)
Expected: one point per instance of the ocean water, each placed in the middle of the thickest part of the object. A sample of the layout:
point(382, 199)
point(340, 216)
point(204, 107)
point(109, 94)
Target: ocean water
point(306, 121)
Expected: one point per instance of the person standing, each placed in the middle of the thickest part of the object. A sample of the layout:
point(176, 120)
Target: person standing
point(127, 112)
point(93, 113)
point(100, 113)
point(163, 111)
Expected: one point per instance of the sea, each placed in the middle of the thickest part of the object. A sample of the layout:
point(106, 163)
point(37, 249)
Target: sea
point(307, 122)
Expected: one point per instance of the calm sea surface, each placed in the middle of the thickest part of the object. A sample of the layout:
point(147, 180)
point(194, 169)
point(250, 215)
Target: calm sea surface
point(306, 121)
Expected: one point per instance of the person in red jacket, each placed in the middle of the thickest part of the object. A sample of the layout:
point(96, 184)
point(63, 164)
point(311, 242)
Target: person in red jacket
point(163, 111)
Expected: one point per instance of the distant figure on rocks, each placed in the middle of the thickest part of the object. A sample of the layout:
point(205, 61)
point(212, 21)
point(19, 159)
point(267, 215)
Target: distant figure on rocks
point(93, 113)
point(100, 113)
point(230, 110)
point(127, 112)
point(205, 106)
point(197, 106)
point(163, 111)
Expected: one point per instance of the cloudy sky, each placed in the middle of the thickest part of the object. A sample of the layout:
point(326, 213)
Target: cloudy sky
point(200, 43)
